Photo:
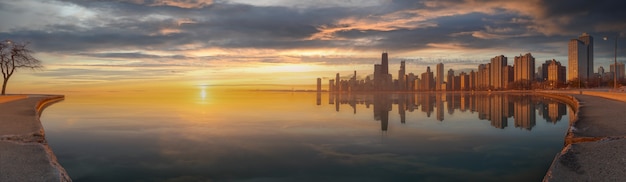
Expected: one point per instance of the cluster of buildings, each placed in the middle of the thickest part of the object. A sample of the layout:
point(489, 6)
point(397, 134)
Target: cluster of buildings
point(497, 108)
point(495, 75)
point(602, 76)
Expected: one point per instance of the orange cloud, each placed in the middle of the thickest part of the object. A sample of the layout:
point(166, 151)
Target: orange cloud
point(538, 19)
point(183, 3)
point(176, 3)
point(388, 22)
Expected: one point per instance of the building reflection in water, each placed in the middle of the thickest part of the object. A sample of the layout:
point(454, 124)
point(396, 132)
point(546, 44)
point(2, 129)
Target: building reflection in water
point(496, 108)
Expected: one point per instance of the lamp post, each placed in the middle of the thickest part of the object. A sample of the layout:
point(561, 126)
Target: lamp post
point(614, 64)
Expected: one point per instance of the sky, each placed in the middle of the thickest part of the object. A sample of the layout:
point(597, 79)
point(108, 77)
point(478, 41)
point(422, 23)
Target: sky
point(155, 44)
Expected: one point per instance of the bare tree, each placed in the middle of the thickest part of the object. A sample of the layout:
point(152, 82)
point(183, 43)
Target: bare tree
point(14, 56)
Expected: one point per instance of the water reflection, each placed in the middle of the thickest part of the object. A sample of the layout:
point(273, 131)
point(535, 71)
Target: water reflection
point(286, 136)
point(497, 108)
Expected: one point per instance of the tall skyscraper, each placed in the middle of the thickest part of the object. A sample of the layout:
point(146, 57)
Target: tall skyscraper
point(498, 64)
point(337, 83)
point(580, 57)
point(382, 78)
point(439, 77)
point(385, 63)
point(402, 77)
point(619, 71)
point(524, 68)
point(450, 80)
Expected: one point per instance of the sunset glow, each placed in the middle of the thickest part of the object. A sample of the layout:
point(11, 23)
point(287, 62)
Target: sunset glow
point(125, 45)
point(312, 90)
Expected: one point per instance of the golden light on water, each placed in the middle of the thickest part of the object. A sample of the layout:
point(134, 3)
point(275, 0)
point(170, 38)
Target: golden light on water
point(203, 94)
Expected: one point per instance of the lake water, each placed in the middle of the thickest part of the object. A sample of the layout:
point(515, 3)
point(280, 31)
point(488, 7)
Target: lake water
point(286, 136)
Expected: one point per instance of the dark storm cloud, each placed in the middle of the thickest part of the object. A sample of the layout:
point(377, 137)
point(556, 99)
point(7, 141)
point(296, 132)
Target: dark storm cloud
point(133, 55)
point(412, 25)
point(224, 25)
point(585, 16)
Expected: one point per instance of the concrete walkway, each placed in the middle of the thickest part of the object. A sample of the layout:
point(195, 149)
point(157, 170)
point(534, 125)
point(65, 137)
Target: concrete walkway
point(596, 143)
point(24, 152)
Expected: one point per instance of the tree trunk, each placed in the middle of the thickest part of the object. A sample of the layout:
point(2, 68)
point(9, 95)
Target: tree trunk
point(4, 86)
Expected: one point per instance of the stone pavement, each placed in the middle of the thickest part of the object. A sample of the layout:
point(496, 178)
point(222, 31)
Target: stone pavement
point(596, 143)
point(24, 152)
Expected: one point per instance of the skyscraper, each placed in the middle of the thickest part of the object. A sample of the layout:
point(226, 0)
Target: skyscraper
point(427, 82)
point(439, 77)
point(508, 76)
point(498, 64)
point(556, 73)
point(382, 78)
point(385, 63)
point(543, 71)
point(337, 83)
point(402, 77)
point(483, 77)
point(465, 85)
point(450, 80)
point(601, 70)
point(580, 57)
point(524, 68)
point(472, 80)
point(619, 71)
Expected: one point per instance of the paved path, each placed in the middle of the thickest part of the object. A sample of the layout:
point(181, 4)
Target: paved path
point(599, 149)
point(24, 152)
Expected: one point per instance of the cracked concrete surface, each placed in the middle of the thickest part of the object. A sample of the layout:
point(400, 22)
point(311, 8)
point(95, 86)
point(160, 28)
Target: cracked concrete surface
point(24, 152)
point(595, 145)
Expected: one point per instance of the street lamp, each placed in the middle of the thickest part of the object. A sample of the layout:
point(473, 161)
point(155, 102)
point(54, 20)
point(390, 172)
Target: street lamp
point(615, 64)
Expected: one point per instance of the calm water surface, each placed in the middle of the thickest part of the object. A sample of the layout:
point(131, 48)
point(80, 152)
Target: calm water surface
point(284, 136)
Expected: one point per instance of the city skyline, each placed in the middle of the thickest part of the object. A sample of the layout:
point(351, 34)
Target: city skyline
point(129, 45)
point(494, 75)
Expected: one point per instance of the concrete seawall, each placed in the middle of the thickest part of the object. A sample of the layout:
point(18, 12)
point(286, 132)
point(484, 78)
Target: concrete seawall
point(596, 139)
point(24, 151)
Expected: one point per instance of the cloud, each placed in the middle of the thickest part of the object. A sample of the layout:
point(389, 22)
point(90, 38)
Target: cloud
point(387, 22)
point(311, 4)
point(33, 14)
point(242, 30)
point(133, 55)
point(182, 3)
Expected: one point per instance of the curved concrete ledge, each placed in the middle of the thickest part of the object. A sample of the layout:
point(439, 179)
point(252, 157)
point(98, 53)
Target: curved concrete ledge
point(24, 151)
point(595, 141)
